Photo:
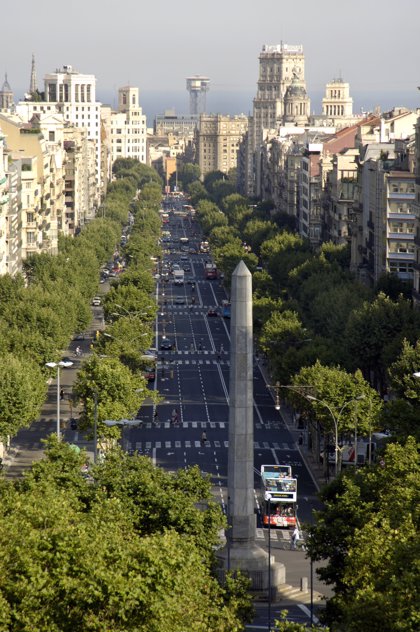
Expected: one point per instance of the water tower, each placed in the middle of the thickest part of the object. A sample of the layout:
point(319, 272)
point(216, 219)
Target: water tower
point(198, 87)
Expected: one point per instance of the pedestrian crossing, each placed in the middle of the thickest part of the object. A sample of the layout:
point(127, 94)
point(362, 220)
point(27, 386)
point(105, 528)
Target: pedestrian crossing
point(209, 425)
point(193, 310)
point(199, 362)
point(147, 446)
point(278, 535)
point(195, 350)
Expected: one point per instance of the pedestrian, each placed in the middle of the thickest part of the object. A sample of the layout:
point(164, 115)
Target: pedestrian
point(200, 347)
point(294, 538)
point(300, 440)
point(203, 439)
point(156, 417)
point(222, 348)
point(61, 394)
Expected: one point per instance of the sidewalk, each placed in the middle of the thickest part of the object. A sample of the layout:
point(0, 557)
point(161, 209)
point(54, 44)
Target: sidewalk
point(27, 446)
point(315, 468)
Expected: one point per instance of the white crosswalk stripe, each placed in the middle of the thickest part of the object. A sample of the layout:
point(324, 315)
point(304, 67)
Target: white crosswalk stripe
point(148, 445)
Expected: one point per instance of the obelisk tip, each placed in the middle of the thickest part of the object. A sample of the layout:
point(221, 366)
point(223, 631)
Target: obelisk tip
point(241, 270)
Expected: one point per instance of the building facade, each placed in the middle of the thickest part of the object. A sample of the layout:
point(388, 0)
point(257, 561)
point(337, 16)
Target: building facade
point(127, 127)
point(217, 141)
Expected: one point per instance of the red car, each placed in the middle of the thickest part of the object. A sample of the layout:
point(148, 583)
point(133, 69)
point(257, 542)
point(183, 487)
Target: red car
point(150, 375)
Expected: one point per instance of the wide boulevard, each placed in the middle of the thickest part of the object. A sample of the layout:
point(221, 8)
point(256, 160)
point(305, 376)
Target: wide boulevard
point(193, 379)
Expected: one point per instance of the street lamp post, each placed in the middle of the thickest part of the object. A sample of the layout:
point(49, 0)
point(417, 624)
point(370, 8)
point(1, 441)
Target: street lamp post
point(58, 366)
point(268, 498)
point(335, 422)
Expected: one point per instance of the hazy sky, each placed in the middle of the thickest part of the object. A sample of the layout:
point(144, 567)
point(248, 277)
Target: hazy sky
point(155, 45)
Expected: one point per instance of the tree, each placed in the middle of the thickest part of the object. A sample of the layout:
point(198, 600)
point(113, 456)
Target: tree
point(374, 336)
point(227, 258)
point(119, 393)
point(197, 192)
point(82, 541)
point(256, 232)
point(22, 393)
point(342, 405)
point(367, 533)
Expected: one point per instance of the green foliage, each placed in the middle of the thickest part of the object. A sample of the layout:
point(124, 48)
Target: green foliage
point(368, 534)
point(123, 300)
point(281, 254)
point(256, 232)
point(127, 338)
point(336, 391)
point(197, 192)
point(227, 258)
point(22, 393)
point(391, 285)
point(263, 285)
point(375, 332)
point(282, 625)
point(120, 393)
point(212, 177)
point(401, 372)
point(128, 551)
point(188, 173)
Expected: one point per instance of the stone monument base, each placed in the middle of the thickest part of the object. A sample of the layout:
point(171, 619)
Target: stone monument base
point(253, 562)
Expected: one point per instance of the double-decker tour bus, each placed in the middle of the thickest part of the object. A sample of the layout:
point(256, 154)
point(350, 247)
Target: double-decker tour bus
point(225, 309)
point(279, 495)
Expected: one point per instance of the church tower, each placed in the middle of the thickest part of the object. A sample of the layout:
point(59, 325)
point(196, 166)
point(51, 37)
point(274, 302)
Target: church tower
point(6, 95)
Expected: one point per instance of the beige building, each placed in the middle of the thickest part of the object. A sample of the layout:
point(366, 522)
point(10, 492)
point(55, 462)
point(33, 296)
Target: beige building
point(4, 206)
point(79, 177)
point(39, 176)
point(416, 211)
point(279, 66)
point(217, 141)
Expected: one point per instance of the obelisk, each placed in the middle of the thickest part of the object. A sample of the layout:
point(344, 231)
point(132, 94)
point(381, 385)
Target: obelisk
point(241, 551)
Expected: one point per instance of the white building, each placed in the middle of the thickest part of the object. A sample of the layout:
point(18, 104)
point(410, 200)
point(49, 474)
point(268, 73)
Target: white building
point(127, 127)
point(73, 95)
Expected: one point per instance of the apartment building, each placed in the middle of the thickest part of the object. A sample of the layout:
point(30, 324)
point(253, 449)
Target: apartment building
point(339, 177)
point(217, 141)
point(416, 211)
point(40, 172)
point(4, 206)
point(127, 127)
point(73, 95)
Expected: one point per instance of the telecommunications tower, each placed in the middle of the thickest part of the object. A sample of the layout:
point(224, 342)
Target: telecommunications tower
point(198, 87)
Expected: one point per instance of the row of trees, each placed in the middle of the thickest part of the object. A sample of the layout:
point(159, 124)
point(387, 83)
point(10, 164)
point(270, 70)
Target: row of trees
point(111, 383)
point(40, 311)
point(318, 326)
point(127, 547)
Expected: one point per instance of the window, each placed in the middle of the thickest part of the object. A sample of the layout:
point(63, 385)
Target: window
point(30, 218)
point(30, 237)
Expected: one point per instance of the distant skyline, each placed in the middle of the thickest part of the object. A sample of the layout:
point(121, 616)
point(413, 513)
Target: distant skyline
point(155, 46)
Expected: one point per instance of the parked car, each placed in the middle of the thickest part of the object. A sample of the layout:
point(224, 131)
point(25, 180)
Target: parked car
point(150, 375)
point(96, 301)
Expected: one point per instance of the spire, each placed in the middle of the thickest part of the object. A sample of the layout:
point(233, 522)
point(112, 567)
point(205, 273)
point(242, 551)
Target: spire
point(32, 85)
point(6, 86)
